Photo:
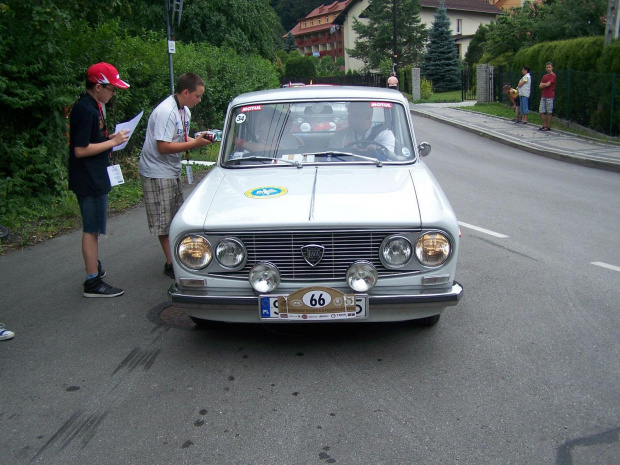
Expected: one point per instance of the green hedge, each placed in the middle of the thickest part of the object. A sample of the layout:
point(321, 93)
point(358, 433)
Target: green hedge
point(42, 77)
point(588, 75)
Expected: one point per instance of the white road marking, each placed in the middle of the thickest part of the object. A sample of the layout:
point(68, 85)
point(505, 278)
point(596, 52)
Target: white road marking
point(482, 230)
point(606, 265)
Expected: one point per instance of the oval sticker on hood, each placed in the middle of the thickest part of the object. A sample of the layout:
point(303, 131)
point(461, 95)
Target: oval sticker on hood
point(266, 192)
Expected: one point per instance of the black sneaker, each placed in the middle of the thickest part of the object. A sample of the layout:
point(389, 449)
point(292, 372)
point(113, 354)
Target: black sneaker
point(168, 270)
point(95, 287)
point(100, 270)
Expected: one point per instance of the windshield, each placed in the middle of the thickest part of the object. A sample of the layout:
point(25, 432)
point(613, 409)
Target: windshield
point(299, 133)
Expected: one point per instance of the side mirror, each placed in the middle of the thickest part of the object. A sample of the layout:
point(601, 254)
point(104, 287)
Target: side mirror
point(424, 149)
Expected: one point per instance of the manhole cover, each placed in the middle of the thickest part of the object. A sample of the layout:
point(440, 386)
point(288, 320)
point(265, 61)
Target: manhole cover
point(168, 315)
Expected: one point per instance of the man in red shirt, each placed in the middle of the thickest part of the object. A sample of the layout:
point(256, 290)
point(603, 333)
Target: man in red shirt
point(547, 84)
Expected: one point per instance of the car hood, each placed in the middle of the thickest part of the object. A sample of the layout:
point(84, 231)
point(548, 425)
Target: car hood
point(310, 197)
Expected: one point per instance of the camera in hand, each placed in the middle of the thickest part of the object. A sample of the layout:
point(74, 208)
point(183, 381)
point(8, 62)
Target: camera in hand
point(212, 135)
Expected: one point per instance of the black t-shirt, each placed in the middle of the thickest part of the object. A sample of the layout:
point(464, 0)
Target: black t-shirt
point(87, 175)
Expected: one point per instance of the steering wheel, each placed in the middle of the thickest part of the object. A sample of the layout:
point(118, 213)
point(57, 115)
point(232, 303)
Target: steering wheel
point(366, 143)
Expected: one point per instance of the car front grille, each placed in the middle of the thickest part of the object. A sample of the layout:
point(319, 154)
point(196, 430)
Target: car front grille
point(341, 249)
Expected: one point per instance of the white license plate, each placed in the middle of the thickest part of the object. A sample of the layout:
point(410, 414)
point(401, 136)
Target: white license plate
point(313, 304)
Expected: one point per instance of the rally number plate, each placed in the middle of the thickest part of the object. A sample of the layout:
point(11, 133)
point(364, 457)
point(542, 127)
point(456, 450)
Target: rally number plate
point(313, 304)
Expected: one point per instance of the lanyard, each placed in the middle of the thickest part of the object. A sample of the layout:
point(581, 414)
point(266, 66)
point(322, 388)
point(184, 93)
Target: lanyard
point(102, 119)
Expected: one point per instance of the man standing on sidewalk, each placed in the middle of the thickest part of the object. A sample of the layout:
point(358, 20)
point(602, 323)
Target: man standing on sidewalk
point(524, 86)
point(547, 84)
point(167, 137)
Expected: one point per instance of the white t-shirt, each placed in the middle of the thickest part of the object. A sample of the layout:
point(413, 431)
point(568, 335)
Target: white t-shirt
point(167, 123)
point(525, 89)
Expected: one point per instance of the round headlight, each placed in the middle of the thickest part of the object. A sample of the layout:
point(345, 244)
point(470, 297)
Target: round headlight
point(361, 276)
point(195, 252)
point(432, 249)
point(395, 251)
point(230, 253)
point(264, 277)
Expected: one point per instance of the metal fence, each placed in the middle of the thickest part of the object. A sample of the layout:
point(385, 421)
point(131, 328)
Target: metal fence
point(589, 99)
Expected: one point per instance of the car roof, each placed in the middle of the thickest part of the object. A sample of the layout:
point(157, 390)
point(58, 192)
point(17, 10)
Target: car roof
point(320, 93)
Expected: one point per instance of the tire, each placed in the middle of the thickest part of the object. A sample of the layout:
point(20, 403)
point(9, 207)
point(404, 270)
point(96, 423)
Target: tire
point(207, 324)
point(427, 322)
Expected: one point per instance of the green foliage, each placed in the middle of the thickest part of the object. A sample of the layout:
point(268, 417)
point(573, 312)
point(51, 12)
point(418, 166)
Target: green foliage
point(375, 38)
point(289, 43)
point(301, 67)
point(441, 62)
point(426, 89)
point(43, 72)
point(475, 50)
point(535, 22)
point(250, 27)
point(580, 54)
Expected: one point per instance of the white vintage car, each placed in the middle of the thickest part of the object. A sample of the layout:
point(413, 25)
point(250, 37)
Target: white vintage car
point(320, 209)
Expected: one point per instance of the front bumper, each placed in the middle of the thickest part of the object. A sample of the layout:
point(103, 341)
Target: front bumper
point(384, 307)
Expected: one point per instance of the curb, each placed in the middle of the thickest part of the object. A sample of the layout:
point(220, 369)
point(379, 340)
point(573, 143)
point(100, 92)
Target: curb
point(583, 161)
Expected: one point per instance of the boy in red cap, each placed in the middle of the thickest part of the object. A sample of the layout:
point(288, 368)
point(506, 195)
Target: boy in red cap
point(90, 147)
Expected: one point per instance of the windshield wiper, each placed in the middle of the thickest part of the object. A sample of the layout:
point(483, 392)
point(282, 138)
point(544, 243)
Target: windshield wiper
point(296, 163)
point(333, 153)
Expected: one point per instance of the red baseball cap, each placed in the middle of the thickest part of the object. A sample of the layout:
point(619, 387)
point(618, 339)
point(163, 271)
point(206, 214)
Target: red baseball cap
point(105, 73)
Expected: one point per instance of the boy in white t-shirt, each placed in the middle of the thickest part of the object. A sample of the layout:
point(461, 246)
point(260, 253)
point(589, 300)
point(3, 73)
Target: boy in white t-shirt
point(167, 137)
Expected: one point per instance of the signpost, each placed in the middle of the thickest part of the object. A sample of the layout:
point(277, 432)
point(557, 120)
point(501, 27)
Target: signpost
point(173, 9)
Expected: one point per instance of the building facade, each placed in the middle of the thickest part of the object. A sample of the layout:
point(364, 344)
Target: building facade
point(318, 35)
point(465, 18)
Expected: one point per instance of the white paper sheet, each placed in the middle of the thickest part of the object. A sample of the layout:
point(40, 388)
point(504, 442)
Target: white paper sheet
point(130, 125)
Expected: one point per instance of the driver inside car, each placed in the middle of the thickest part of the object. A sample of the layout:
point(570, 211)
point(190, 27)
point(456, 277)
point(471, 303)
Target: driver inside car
point(362, 135)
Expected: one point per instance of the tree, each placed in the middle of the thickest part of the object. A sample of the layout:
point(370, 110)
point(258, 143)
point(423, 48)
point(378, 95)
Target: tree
point(375, 39)
point(441, 62)
point(246, 26)
point(289, 43)
point(475, 50)
point(540, 22)
point(291, 11)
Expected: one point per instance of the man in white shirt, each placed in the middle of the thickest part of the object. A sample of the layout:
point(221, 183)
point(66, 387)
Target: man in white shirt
point(361, 129)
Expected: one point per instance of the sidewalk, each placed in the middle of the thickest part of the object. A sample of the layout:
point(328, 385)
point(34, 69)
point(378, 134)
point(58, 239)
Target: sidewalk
point(553, 144)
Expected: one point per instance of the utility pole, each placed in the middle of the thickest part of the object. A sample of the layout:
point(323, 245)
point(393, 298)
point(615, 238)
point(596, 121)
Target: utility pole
point(395, 59)
point(613, 22)
point(172, 9)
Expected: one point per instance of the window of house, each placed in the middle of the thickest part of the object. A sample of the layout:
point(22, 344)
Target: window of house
point(312, 22)
point(305, 23)
point(319, 21)
point(459, 26)
point(327, 19)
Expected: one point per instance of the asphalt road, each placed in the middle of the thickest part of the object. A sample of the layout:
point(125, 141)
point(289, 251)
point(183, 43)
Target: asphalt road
point(523, 371)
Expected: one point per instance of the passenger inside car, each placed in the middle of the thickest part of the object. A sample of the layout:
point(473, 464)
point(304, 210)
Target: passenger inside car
point(266, 133)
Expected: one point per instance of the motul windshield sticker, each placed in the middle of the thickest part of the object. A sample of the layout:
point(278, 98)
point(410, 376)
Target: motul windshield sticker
point(380, 105)
point(251, 108)
point(266, 192)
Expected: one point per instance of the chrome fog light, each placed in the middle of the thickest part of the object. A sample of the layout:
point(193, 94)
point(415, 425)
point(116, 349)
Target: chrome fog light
point(195, 252)
point(395, 251)
point(362, 276)
point(230, 253)
point(432, 249)
point(264, 277)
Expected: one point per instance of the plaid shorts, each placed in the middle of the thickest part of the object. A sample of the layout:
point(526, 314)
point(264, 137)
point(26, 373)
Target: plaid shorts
point(546, 105)
point(162, 198)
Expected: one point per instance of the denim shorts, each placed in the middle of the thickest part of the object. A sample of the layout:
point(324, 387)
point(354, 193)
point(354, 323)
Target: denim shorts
point(94, 209)
point(525, 105)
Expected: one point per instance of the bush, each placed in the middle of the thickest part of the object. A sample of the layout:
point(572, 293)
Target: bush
point(426, 89)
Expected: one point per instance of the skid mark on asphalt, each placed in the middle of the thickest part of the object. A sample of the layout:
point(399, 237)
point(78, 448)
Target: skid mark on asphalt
point(67, 443)
point(138, 357)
